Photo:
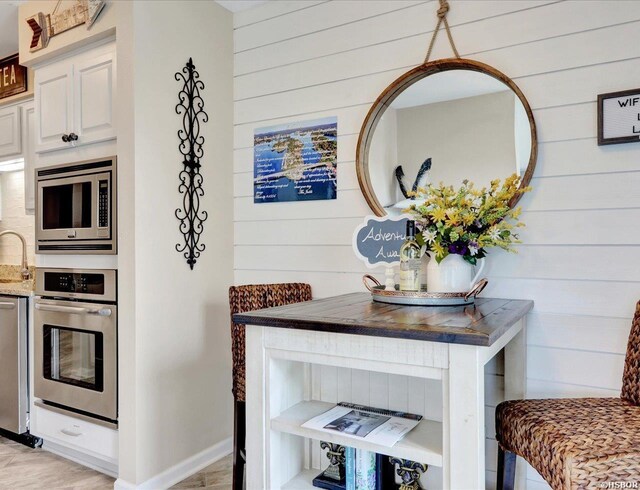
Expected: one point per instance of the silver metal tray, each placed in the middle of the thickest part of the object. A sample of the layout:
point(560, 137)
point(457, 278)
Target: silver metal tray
point(422, 297)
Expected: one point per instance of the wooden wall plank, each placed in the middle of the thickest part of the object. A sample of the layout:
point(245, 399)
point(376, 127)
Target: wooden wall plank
point(303, 22)
point(610, 299)
point(267, 11)
point(581, 332)
point(581, 227)
point(371, 30)
point(541, 262)
point(600, 370)
point(588, 227)
point(552, 389)
point(376, 58)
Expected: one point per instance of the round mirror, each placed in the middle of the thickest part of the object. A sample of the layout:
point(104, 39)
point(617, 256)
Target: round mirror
point(444, 122)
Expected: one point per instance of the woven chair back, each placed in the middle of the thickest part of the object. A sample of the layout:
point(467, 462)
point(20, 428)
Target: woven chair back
point(631, 376)
point(256, 297)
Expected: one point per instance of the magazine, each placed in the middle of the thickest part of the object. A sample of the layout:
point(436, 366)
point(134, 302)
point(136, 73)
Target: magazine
point(371, 424)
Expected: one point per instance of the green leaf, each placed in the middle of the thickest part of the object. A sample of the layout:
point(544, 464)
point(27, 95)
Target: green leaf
point(440, 259)
point(471, 259)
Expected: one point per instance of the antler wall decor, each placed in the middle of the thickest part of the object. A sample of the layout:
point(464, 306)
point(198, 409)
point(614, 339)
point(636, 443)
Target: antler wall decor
point(191, 107)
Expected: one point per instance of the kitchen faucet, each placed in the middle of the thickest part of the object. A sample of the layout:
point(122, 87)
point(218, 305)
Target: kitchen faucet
point(26, 275)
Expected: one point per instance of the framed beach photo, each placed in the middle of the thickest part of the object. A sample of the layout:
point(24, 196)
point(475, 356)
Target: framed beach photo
point(296, 161)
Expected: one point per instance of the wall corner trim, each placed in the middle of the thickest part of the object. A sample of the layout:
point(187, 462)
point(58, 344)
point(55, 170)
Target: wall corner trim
point(182, 470)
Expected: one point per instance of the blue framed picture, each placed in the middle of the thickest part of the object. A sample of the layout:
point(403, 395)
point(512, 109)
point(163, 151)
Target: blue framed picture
point(296, 161)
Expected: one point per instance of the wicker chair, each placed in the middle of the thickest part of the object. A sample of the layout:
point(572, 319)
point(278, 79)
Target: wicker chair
point(576, 443)
point(243, 299)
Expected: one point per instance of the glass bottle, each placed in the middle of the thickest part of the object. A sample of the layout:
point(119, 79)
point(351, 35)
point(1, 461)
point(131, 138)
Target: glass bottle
point(410, 260)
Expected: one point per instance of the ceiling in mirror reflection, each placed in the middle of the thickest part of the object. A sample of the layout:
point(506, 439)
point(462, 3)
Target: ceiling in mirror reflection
point(449, 85)
point(448, 127)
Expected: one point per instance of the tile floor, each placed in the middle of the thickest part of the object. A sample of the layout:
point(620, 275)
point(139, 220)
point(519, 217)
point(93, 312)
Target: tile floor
point(25, 468)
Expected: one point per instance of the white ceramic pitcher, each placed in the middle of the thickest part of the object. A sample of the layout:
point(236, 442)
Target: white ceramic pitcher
point(452, 275)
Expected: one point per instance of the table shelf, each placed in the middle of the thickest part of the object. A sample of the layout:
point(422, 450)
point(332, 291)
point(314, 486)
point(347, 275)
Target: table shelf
point(302, 481)
point(422, 444)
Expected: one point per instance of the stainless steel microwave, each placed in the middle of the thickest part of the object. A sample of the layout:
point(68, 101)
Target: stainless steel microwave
point(76, 208)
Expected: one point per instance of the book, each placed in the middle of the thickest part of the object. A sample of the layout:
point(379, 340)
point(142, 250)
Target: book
point(350, 468)
point(365, 470)
point(384, 469)
point(376, 425)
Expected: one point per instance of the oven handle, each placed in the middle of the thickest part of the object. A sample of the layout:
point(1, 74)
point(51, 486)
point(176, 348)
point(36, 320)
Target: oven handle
point(73, 309)
point(6, 306)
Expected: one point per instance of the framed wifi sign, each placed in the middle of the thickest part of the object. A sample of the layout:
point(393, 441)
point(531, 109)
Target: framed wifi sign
point(619, 117)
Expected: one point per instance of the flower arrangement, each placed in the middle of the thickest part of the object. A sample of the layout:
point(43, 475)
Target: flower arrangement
point(468, 221)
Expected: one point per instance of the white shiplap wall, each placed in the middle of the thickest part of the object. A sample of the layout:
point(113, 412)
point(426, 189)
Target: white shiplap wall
point(304, 60)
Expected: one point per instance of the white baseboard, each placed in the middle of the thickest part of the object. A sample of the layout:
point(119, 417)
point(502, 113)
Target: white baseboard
point(106, 467)
point(182, 470)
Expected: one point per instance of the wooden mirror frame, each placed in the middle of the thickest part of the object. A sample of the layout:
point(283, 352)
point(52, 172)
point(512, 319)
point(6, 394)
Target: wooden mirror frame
point(403, 82)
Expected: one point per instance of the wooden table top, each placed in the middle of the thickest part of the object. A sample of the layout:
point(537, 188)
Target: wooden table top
point(480, 324)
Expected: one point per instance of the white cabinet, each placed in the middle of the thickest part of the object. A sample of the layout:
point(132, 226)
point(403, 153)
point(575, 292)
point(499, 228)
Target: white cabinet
point(10, 131)
point(89, 442)
point(54, 103)
point(94, 99)
point(29, 139)
point(75, 100)
point(17, 140)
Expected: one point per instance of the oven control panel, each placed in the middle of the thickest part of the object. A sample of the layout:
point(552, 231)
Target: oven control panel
point(74, 283)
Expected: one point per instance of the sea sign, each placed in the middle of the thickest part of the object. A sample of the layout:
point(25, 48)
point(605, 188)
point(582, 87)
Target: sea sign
point(296, 161)
point(619, 117)
point(378, 240)
point(13, 77)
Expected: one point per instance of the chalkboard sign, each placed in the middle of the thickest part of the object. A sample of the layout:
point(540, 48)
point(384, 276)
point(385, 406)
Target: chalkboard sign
point(619, 117)
point(377, 241)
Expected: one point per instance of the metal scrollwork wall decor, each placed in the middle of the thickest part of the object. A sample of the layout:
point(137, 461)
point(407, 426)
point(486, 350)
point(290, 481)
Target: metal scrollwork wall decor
point(191, 107)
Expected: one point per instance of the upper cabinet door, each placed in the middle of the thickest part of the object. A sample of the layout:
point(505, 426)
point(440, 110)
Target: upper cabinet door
point(75, 100)
point(54, 106)
point(10, 132)
point(28, 131)
point(94, 99)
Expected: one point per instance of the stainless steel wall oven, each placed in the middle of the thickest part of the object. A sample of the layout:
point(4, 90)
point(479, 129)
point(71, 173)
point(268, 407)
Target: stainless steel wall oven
point(75, 329)
point(76, 208)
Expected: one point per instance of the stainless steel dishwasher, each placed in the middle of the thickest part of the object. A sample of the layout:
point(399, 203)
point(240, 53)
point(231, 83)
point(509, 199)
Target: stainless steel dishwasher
point(14, 387)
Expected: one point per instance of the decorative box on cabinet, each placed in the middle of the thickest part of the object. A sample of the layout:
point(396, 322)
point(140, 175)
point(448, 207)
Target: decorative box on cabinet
point(10, 131)
point(75, 100)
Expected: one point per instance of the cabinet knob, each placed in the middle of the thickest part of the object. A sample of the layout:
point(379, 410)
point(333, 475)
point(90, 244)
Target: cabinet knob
point(73, 137)
point(65, 138)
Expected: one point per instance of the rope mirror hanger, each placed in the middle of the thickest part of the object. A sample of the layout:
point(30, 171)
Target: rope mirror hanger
point(425, 69)
point(442, 19)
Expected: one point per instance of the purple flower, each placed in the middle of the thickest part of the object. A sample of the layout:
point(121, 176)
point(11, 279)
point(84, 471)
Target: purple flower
point(458, 248)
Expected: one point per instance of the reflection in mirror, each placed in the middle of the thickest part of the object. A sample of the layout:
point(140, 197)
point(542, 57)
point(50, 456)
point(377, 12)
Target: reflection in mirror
point(448, 127)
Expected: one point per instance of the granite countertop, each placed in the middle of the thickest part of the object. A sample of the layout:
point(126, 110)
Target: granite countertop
point(11, 283)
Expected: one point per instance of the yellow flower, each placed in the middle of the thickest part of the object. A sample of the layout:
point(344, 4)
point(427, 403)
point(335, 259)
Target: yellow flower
point(468, 218)
point(453, 217)
point(438, 249)
point(438, 214)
